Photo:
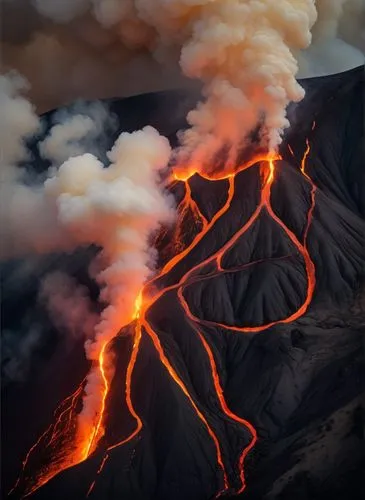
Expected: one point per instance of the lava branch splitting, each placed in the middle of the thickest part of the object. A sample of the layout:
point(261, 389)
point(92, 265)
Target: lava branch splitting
point(173, 374)
point(128, 388)
point(96, 434)
point(268, 176)
point(98, 430)
point(146, 299)
point(186, 207)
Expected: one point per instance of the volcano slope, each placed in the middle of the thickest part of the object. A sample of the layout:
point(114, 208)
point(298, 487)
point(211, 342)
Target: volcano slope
point(243, 373)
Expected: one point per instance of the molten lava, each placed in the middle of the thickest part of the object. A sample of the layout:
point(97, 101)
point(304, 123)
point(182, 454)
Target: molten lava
point(98, 430)
point(61, 439)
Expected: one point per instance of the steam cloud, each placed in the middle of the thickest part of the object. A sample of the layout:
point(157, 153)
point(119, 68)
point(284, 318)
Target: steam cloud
point(82, 203)
point(241, 52)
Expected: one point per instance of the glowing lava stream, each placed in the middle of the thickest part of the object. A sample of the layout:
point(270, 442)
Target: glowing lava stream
point(265, 202)
point(98, 427)
point(184, 177)
point(218, 256)
point(145, 301)
point(101, 467)
point(96, 434)
point(189, 202)
point(180, 383)
point(128, 390)
point(228, 412)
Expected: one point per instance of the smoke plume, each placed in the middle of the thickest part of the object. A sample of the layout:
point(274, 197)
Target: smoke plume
point(24, 225)
point(244, 54)
point(83, 203)
point(81, 128)
point(241, 52)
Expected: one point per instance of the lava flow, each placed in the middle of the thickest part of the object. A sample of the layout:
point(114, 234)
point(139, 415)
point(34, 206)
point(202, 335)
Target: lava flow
point(60, 443)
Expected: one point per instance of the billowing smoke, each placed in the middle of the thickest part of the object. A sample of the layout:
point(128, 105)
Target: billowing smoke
point(82, 203)
point(241, 52)
point(76, 130)
point(19, 121)
point(24, 225)
point(116, 208)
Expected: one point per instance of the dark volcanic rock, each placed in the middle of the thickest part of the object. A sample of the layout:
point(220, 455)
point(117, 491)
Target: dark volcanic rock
point(301, 384)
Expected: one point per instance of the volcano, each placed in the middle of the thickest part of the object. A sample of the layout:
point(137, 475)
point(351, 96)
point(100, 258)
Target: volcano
point(242, 373)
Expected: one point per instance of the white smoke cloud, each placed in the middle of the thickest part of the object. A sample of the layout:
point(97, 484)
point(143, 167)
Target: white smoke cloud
point(115, 208)
point(23, 222)
point(82, 203)
point(112, 45)
point(29, 217)
point(95, 61)
point(18, 122)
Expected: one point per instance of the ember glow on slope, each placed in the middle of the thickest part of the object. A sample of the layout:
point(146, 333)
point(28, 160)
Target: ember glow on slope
point(249, 81)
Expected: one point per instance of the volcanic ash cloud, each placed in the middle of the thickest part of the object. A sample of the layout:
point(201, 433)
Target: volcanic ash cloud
point(242, 52)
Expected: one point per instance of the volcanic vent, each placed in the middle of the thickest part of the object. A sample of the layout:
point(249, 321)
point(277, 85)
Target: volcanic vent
point(241, 370)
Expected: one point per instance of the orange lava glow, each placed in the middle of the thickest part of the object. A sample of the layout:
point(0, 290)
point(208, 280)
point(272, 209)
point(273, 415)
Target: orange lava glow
point(62, 434)
point(180, 383)
point(228, 412)
point(98, 429)
point(128, 389)
point(137, 306)
point(101, 467)
point(179, 257)
point(58, 432)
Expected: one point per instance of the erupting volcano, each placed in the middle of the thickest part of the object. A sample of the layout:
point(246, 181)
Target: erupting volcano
point(234, 365)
